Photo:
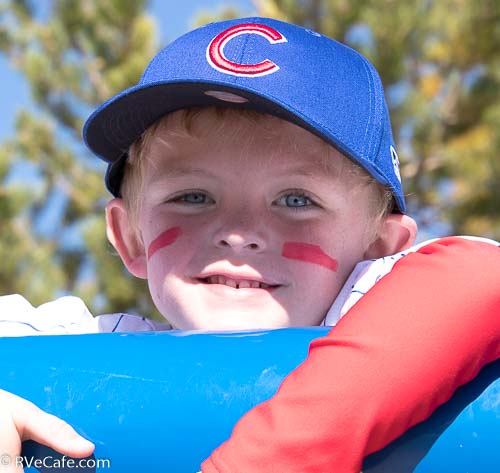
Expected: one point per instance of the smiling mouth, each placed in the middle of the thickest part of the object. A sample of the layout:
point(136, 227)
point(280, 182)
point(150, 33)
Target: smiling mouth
point(236, 283)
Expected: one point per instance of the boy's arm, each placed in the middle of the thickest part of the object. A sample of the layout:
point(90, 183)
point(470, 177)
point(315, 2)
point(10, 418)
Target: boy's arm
point(426, 328)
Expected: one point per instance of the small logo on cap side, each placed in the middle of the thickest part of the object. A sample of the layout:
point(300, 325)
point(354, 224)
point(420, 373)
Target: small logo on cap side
point(395, 163)
point(218, 60)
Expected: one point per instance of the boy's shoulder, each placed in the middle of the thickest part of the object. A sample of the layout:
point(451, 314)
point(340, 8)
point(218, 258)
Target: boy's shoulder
point(367, 273)
point(66, 315)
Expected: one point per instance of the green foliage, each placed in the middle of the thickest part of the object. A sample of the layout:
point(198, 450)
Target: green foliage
point(439, 61)
point(79, 56)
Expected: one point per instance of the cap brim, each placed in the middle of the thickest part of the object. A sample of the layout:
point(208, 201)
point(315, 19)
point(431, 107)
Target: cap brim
point(117, 124)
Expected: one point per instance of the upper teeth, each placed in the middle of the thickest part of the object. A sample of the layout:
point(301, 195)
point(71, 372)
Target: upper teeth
point(236, 283)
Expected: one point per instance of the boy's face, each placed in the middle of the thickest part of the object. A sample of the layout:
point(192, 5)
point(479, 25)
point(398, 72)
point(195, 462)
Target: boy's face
point(245, 228)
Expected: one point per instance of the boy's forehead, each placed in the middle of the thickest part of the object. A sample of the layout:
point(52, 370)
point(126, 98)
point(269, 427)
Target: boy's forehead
point(179, 137)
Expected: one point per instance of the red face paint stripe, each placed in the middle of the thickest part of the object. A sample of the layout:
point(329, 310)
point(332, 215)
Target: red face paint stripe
point(164, 239)
point(309, 254)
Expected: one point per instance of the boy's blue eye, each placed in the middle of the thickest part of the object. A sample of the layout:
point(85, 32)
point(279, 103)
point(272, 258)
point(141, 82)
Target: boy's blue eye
point(194, 198)
point(295, 200)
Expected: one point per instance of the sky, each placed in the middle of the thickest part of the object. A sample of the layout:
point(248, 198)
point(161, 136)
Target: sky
point(174, 17)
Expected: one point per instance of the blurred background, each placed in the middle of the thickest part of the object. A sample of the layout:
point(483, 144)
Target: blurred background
point(439, 62)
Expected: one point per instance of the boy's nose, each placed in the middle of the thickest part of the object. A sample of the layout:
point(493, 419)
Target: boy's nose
point(241, 230)
point(240, 242)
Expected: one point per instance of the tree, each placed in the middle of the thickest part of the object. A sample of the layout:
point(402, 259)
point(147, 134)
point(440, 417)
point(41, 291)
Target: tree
point(74, 57)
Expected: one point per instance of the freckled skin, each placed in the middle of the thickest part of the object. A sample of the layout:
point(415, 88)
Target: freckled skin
point(166, 238)
point(308, 253)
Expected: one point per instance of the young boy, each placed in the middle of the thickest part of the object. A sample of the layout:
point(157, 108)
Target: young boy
point(253, 168)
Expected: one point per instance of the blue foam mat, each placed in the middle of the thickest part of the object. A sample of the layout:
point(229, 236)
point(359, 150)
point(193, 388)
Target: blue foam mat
point(163, 401)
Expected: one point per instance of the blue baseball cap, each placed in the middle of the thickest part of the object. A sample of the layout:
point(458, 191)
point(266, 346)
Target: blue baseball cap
point(265, 65)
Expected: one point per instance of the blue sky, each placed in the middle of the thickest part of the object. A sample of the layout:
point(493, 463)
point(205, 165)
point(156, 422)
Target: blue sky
point(174, 18)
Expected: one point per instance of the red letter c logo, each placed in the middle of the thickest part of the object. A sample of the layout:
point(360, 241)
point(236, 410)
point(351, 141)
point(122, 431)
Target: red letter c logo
point(217, 59)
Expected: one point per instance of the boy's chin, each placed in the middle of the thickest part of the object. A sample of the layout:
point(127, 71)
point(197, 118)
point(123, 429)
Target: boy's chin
point(232, 319)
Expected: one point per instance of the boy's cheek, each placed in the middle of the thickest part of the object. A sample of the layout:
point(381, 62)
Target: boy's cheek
point(309, 253)
point(299, 251)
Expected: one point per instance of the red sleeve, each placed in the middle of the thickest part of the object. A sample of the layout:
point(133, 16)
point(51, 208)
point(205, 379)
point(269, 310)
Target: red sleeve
point(425, 329)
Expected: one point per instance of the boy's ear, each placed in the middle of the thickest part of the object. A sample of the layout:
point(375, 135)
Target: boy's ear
point(396, 233)
point(122, 236)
